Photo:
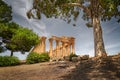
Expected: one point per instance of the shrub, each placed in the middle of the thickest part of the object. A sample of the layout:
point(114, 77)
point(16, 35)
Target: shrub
point(36, 58)
point(9, 61)
point(33, 58)
point(44, 57)
point(72, 55)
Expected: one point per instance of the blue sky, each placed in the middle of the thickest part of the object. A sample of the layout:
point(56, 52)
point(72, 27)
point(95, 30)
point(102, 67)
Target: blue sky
point(84, 43)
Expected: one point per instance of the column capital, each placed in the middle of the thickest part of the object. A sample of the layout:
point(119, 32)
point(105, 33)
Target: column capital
point(50, 39)
point(43, 38)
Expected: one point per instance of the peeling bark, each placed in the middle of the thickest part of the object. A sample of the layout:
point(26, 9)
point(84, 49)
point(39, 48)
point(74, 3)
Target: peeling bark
point(98, 38)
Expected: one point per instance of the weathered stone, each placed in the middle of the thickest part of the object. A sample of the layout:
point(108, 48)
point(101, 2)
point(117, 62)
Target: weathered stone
point(79, 58)
point(74, 59)
point(85, 57)
point(66, 58)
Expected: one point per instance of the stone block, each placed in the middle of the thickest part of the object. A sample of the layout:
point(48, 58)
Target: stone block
point(74, 59)
point(85, 57)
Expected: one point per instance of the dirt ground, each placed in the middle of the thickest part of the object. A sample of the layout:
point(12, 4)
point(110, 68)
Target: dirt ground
point(40, 71)
point(106, 69)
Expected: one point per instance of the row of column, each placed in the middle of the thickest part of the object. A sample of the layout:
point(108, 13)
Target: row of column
point(61, 50)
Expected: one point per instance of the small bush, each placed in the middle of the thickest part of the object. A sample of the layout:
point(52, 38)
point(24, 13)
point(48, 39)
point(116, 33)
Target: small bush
point(36, 58)
point(72, 55)
point(9, 61)
point(44, 57)
point(33, 58)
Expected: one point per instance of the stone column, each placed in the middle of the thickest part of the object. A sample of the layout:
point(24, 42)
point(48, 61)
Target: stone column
point(43, 44)
point(41, 47)
point(51, 47)
point(57, 49)
point(73, 45)
point(37, 48)
point(60, 52)
point(69, 51)
point(63, 49)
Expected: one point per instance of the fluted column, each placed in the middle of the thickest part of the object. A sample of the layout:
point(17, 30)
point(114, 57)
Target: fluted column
point(63, 49)
point(69, 47)
point(65, 45)
point(41, 47)
point(51, 47)
point(73, 46)
point(57, 48)
point(43, 39)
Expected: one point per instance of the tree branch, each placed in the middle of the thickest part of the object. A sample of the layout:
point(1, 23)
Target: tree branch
point(79, 5)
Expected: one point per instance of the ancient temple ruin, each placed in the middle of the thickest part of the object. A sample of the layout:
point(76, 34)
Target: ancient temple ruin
point(64, 46)
point(41, 47)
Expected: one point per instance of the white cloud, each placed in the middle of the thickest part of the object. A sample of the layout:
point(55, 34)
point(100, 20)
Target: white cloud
point(111, 46)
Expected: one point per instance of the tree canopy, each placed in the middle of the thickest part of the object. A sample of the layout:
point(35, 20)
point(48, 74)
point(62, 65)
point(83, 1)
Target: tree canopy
point(5, 12)
point(66, 9)
point(17, 38)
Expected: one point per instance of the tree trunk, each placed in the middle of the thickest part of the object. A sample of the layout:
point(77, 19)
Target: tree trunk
point(11, 53)
point(98, 39)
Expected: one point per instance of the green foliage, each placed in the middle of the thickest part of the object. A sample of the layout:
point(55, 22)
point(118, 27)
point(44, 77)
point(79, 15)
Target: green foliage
point(106, 9)
point(53, 8)
point(36, 58)
point(8, 29)
point(44, 57)
point(8, 61)
point(5, 12)
point(23, 39)
point(1, 49)
point(33, 58)
point(18, 38)
point(110, 9)
point(72, 55)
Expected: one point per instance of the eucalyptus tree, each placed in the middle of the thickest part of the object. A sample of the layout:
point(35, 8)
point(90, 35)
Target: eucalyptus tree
point(94, 11)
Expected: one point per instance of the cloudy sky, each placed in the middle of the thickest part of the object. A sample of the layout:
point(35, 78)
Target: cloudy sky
point(83, 35)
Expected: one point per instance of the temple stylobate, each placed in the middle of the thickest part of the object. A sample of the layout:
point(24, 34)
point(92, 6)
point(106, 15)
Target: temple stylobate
point(64, 46)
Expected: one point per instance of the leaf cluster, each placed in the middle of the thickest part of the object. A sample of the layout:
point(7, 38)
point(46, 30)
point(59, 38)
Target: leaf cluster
point(9, 61)
point(105, 9)
point(5, 12)
point(18, 38)
point(36, 58)
point(53, 8)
